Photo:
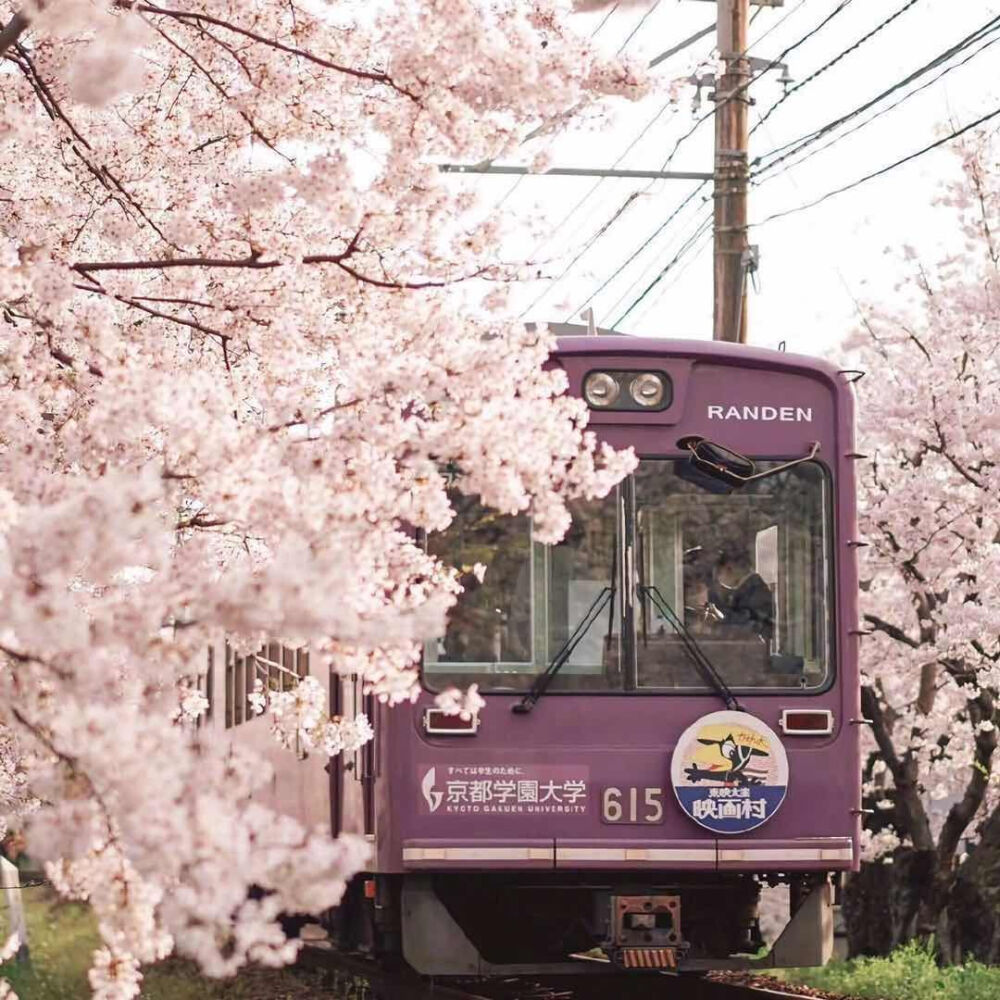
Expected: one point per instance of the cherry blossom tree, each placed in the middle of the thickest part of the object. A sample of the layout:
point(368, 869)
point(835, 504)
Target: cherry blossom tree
point(930, 412)
point(250, 339)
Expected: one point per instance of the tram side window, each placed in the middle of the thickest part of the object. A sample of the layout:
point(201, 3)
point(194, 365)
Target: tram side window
point(277, 667)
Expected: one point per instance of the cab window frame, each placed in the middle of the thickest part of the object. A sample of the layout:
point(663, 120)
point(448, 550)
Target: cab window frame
point(628, 637)
point(832, 616)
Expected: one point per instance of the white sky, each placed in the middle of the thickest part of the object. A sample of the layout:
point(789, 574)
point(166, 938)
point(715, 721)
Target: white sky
point(811, 263)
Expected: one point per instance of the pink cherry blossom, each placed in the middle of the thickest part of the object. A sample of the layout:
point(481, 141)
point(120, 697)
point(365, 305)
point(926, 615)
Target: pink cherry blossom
point(252, 336)
point(929, 509)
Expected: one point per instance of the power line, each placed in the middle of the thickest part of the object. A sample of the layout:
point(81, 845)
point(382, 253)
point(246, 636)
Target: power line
point(777, 24)
point(659, 229)
point(703, 227)
point(638, 138)
point(791, 148)
point(520, 180)
point(643, 277)
point(833, 62)
point(594, 188)
point(662, 226)
point(619, 212)
point(884, 111)
point(882, 170)
point(638, 27)
point(833, 260)
point(604, 20)
point(699, 247)
point(738, 91)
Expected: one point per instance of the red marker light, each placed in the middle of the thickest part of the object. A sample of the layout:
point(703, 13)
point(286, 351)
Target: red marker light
point(806, 722)
point(438, 723)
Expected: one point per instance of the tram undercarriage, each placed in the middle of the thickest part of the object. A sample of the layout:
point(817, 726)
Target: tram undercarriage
point(489, 924)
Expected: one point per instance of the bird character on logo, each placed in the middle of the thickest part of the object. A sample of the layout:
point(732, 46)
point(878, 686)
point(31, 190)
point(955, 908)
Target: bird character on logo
point(737, 756)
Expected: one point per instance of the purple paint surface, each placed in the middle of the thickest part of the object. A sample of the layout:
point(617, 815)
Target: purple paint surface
point(625, 741)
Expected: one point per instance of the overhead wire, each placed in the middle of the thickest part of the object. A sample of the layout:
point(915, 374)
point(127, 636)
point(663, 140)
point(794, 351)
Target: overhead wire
point(598, 184)
point(743, 87)
point(659, 229)
point(691, 255)
point(705, 226)
point(777, 24)
point(788, 149)
point(503, 198)
point(791, 164)
point(638, 27)
point(640, 280)
point(833, 260)
point(702, 230)
point(841, 6)
point(618, 213)
point(881, 26)
point(882, 170)
point(604, 228)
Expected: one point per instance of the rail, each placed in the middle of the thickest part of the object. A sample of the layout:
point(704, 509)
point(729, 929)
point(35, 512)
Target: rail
point(402, 984)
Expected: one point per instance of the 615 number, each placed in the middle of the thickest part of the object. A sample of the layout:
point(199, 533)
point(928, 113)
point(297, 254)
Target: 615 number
point(632, 805)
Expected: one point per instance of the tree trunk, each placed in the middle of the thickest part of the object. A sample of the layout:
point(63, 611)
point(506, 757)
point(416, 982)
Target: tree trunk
point(882, 902)
point(974, 905)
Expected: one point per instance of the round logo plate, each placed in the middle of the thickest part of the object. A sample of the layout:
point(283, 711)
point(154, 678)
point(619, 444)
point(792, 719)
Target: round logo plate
point(729, 772)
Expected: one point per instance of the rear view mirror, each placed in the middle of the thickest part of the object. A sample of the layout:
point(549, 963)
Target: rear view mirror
point(722, 464)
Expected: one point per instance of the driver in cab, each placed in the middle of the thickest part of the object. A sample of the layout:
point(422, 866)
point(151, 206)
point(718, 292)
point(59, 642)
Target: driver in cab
point(731, 593)
point(740, 594)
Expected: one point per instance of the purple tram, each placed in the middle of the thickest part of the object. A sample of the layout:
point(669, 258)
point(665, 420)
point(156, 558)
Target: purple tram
point(672, 692)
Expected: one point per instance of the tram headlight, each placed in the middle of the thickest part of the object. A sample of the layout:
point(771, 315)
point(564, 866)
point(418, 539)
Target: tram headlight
point(600, 390)
point(647, 389)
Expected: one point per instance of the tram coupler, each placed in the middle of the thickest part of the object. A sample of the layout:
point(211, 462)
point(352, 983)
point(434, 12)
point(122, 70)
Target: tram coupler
point(645, 932)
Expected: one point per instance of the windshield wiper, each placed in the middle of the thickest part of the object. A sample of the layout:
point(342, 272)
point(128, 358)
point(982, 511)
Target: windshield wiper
point(692, 648)
point(544, 679)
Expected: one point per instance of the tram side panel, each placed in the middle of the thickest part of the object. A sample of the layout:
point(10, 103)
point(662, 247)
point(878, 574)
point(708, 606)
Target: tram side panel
point(299, 786)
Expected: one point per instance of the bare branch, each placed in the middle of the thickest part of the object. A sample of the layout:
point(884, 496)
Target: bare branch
point(360, 74)
point(893, 631)
point(904, 773)
point(12, 31)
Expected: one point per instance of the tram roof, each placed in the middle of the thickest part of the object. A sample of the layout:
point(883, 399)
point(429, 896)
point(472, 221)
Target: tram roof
point(573, 338)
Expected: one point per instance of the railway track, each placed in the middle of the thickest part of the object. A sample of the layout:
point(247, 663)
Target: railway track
point(366, 980)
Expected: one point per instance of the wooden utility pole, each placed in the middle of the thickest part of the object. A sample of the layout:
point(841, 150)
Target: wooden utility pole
point(732, 173)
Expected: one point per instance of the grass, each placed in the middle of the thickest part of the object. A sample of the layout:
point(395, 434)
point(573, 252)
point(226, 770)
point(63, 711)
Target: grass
point(909, 973)
point(62, 937)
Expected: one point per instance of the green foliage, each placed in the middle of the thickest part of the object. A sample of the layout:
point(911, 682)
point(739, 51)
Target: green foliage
point(61, 939)
point(909, 973)
point(63, 936)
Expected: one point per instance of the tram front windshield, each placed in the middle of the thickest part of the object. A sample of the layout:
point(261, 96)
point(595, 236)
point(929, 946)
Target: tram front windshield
point(745, 574)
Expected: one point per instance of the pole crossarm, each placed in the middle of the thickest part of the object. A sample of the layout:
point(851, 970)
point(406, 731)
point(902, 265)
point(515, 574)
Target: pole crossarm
point(490, 168)
point(680, 46)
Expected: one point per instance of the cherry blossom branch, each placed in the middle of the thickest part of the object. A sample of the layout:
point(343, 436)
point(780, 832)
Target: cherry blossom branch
point(962, 812)
point(220, 90)
point(942, 449)
point(54, 110)
point(904, 772)
point(254, 262)
point(316, 416)
point(19, 656)
point(360, 74)
point(13, 30)
point(893, 631)
point(73, 764)
point(133, 302)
